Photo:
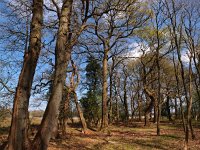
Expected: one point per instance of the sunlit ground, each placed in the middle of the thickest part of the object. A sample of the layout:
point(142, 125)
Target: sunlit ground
point(120, 137)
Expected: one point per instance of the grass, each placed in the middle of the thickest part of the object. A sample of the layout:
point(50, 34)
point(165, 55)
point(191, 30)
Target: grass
point(134, 136)
point(170, 137)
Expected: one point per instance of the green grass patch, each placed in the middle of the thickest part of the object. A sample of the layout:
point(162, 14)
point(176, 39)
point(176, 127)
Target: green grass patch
point(170, 137)
point(168, 127)
point(4, 130)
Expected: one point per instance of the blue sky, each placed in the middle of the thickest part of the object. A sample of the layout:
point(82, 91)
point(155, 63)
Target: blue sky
point(12, 56)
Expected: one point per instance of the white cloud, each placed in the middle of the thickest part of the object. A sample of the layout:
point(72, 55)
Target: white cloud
point(184, 56)
point(137, 49)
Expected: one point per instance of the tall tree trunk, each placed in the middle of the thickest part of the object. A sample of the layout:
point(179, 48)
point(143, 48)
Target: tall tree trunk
point(111, 90)
point(139, 107)
point(117, 109)
point(104, 122)
point(168, 108)
point(185, 92)
point(155, 110)
point(158, 59)
point(66, 110)
point(146, 119)
point(83, 122)
point(55, 133)
point(176, 109)
point(150, 106)
point(133, 105)
point(110, 99)
point(18, 136)
point(139, 97)
point(62, 56)
point(189, 103)
point(63, 111)
point(178, 43)
point(182, 114)
point(158, 119)
point(179, 95)
point(191, 128)
point(198, 94)
point(125, 100)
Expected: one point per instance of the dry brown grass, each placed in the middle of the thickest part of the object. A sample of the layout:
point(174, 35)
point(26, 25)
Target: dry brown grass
point(120, 137)
point(132, 137)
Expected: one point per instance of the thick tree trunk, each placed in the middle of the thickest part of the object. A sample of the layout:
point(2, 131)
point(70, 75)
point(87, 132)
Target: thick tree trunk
point(62, 54)
point(18, 136)
point(63, 111)
point(66, 110)
point(104, 122)
point(55, 133)
point(150, 106)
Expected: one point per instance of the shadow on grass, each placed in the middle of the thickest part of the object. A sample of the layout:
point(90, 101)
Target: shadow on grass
point(170, 136)
point(133, 144)
point(4, 130)
point(150, 144)
point(75, 125)
point(100, 146)
point(58, 144)
point(3, 136)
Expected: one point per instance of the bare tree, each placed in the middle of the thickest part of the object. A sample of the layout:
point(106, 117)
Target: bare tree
point(18, 136)
point(62, 56)
point(113, 23)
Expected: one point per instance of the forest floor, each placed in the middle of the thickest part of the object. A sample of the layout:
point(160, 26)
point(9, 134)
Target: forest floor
point(120, 137)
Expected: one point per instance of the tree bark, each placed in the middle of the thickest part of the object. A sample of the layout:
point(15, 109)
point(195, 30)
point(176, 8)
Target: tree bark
point(83, 122)
point(111, 92)
point(150, 106)
point(18, 136)
point(139, 108)
point(104, 122)
point(66, 110)
point(63, 111)
point(62, 56)
point(146, 119)
point(125, 100)
point(168, 108)
point(117, 109)
point(155, 112)
point(158, 119)
point(189, 103)
point(176, 109)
